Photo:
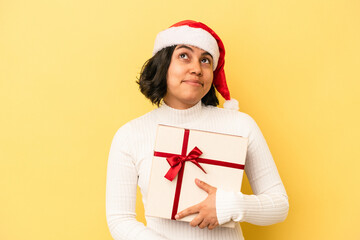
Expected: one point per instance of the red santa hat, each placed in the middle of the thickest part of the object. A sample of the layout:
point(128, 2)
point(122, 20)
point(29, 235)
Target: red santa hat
point(199, 35)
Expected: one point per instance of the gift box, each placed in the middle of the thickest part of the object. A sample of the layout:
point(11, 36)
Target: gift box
point(180, 156)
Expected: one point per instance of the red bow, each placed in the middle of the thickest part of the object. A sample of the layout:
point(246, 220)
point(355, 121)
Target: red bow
point(177, 162)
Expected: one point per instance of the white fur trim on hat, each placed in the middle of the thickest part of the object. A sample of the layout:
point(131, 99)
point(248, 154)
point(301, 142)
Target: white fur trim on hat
point(197, 37)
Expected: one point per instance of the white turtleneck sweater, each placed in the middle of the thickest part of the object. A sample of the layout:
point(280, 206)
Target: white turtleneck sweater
point(130, 161)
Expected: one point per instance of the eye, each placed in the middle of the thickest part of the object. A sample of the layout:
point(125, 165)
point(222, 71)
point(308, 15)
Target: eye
point(206, 60)
point(183, 56)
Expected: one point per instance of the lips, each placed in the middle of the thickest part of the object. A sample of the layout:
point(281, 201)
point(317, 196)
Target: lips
point(194, 82)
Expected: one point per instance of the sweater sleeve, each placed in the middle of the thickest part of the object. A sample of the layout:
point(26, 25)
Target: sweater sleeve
point(121, 183)
point(269, 203)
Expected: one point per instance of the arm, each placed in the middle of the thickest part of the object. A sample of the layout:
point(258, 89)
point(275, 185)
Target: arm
point(121, 185)
point(269, 203)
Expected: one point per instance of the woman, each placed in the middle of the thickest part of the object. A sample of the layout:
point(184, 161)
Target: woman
point(181, 77)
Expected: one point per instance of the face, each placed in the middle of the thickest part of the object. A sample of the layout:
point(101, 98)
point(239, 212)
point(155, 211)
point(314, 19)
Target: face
point(189, 76)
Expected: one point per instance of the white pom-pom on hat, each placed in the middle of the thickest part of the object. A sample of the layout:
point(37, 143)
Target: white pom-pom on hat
point(232, 104)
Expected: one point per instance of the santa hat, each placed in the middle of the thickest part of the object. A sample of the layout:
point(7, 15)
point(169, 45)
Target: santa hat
point(199, 35)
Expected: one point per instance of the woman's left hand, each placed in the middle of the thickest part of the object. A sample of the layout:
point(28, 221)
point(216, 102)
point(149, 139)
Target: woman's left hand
point(206, 209)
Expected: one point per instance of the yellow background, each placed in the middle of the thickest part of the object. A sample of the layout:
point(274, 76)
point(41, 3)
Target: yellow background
point(67, 83)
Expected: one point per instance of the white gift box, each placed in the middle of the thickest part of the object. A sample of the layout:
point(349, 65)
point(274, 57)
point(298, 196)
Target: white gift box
point(222, 158)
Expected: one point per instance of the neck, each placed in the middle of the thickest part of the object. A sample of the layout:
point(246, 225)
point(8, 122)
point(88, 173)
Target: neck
point(176, 116)
point(179, 105)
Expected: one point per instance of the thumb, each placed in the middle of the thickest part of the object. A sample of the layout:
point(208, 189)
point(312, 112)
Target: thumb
point(204, 186)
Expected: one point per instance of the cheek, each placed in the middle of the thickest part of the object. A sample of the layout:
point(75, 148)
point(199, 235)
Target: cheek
point(175, 71)
point(171, 73)
point(170, 79)
point(209, 78)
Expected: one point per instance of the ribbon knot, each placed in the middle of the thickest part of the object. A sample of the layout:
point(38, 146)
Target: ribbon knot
point(177, 162)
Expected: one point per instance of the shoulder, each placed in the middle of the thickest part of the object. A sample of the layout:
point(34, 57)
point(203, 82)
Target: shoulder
point(230, 121)
point(135, 127)
point(227, 115)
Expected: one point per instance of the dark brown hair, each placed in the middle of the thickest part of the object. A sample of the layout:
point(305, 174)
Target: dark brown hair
point(152, 80)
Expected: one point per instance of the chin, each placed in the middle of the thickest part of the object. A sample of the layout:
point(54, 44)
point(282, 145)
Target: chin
point(191, 100)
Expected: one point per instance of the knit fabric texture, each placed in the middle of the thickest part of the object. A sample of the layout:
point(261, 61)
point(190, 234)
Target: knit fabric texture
point(129, 165)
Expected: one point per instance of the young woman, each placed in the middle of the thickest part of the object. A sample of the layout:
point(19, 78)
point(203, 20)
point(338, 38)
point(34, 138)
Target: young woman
point(181, 77)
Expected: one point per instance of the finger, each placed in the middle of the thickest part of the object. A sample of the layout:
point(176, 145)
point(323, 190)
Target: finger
point(187, 211)
point(204, 224)
point(204, 186)
point(197, 220)
point(213, 225)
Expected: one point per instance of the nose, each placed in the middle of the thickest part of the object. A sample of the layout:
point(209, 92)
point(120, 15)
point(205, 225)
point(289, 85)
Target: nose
point(196, 68)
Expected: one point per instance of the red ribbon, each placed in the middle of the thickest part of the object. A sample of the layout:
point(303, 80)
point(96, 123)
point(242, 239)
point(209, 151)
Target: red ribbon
point(177, 162)
point(177, 166)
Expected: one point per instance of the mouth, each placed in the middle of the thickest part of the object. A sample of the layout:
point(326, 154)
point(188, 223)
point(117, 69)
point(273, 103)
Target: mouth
point(193, 82)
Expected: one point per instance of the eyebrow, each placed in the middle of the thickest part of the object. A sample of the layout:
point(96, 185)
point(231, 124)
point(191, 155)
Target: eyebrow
point(184, 46)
